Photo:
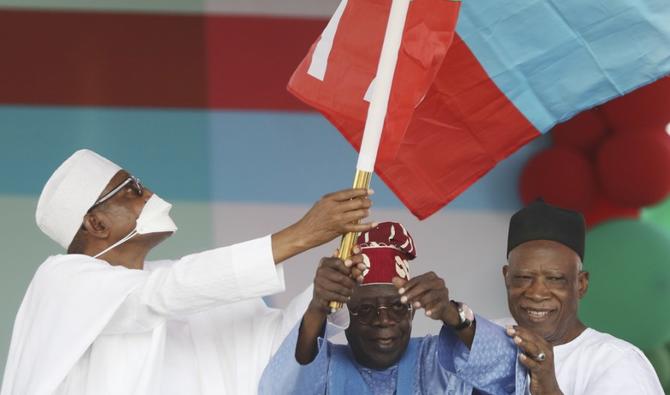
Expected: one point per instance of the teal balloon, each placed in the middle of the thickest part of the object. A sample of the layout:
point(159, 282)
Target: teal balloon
point(629, 288)
point(658, 215)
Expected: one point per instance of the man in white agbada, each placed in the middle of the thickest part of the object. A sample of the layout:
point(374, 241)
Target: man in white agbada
point(545, 281)
point(100, 320)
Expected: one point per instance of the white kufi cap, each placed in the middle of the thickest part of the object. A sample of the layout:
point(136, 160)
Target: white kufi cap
point(70, 192)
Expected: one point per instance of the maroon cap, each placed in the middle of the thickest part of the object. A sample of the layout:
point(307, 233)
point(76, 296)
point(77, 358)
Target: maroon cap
point(386, 250)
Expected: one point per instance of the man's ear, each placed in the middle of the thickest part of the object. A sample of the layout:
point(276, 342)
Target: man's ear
point(97, 224)
point(583, 283)
point(505, 268)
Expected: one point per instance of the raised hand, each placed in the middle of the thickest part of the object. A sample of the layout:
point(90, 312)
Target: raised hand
point(538, 356)
point(428, 292)
point(333, 215)
point(333, 281)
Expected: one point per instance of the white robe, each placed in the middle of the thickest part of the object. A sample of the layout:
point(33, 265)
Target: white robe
point(596, 363)
point(192, 326)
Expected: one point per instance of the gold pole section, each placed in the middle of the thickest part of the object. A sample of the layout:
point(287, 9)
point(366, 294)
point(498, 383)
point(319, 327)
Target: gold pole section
point(361, 180)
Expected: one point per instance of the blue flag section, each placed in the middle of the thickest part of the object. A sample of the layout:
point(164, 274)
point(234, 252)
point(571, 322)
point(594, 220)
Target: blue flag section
point(553, 59)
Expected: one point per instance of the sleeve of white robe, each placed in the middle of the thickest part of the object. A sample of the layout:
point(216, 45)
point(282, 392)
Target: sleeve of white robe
point(197, 282)
point(626, 371)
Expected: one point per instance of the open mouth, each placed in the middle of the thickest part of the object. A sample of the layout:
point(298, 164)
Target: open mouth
point(538, 315)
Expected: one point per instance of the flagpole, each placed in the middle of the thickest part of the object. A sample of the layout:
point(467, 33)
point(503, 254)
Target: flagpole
point(376, 112)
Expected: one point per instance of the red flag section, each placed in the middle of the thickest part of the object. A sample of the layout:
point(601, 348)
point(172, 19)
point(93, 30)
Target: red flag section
point(442, 131)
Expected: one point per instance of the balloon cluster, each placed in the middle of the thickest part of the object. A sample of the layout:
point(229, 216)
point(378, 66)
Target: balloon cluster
point(608, 162)
point(612, 163)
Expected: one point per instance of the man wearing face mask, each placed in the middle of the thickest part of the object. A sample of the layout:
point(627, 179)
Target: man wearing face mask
point(100, 320)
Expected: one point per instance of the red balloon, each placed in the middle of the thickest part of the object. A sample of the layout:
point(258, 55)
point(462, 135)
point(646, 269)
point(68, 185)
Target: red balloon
point(562, 176)
point(634, 168)
point(645, 109)
point(602, 209)
point(583, 132)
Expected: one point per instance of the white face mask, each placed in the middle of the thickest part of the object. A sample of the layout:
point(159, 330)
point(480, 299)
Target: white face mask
point(154, 218)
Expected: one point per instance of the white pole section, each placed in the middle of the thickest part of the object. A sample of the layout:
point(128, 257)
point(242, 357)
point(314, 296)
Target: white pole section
point(382, 86)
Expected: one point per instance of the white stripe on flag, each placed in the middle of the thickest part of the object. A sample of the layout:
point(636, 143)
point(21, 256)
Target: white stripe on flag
point(370, 91)
point(374, 123)
point(319, 64)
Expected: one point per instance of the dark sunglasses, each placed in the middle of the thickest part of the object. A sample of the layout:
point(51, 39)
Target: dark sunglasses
point(134, 183)
point(367, 313)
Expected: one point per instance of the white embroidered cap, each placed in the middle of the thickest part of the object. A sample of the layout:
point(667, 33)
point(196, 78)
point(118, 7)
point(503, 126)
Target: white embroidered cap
point(70, 192)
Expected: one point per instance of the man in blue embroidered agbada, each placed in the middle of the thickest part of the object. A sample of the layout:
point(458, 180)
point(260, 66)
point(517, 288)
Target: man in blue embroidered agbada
point(470, 353)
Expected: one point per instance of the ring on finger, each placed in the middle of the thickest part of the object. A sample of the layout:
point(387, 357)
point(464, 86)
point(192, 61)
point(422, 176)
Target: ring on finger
point(540, 357)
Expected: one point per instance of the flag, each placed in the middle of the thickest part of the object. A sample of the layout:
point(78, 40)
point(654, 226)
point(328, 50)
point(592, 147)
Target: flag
point(461, 103)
